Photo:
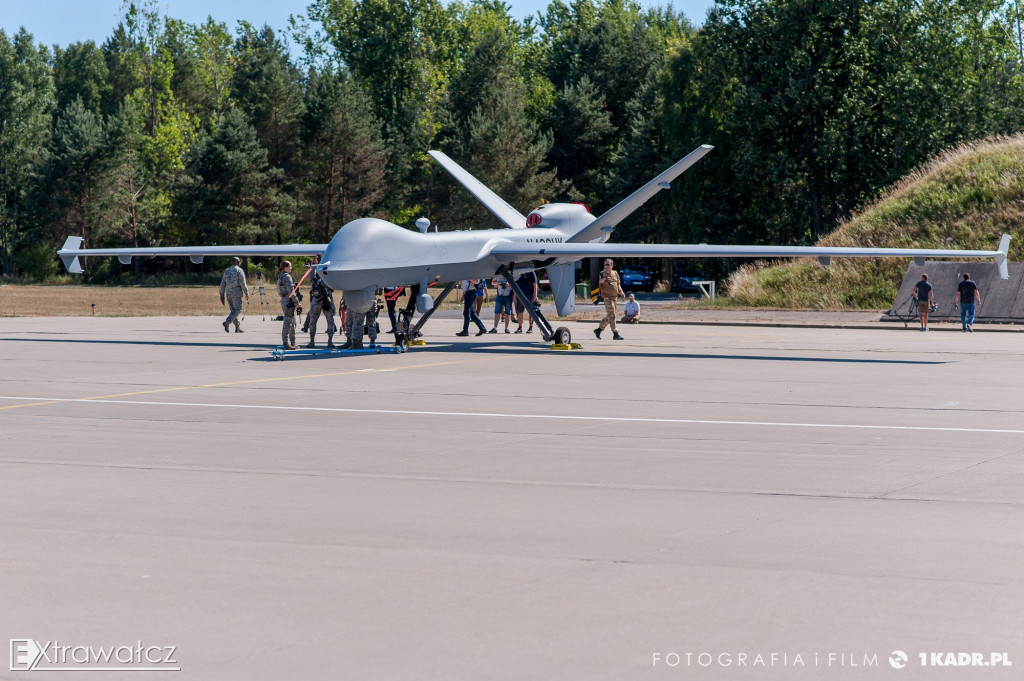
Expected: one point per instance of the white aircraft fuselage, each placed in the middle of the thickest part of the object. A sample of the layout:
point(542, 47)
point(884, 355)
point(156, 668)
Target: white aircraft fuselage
point(369, 252)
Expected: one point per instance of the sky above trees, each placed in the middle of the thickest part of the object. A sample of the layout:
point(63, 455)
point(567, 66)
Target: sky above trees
point(63, 22)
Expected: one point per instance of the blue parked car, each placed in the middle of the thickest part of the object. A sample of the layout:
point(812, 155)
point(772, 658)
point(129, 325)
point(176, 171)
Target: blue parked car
point(637, 278)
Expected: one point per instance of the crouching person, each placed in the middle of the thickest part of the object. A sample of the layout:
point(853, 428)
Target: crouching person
point(631, 313)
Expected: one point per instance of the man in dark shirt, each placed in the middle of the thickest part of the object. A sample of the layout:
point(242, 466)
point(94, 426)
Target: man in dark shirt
point(970, 298)
point(925, 299)
point(527, 283)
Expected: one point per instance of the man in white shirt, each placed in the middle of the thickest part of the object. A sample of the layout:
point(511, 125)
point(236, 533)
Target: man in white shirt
point(631, 313)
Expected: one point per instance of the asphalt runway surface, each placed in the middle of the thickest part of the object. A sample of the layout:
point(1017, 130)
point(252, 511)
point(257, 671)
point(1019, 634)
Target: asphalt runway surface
point(689, 503)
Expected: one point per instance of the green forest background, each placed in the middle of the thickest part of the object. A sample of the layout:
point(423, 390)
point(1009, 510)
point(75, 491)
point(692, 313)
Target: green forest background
point(171, 133)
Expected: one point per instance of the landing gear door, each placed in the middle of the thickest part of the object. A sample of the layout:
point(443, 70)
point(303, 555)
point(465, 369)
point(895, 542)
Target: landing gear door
point(563, 287)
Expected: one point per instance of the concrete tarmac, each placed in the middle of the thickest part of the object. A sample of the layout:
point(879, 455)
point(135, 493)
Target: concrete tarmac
point(694, 502)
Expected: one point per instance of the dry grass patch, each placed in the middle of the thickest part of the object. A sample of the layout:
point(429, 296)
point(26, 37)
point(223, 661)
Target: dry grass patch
point(117, 301)
point(139, 301)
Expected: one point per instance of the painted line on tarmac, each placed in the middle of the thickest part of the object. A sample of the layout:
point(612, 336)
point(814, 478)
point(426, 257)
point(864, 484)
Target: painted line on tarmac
point(491, 415)
point(96, 398)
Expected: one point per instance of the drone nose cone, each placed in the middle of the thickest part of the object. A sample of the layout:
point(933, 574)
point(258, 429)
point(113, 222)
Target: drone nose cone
point(365, 247)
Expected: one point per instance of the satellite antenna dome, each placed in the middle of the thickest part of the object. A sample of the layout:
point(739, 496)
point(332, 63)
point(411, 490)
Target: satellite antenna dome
point(423, 224)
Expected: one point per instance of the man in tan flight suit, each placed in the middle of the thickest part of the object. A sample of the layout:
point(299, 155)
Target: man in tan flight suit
point(611, 289)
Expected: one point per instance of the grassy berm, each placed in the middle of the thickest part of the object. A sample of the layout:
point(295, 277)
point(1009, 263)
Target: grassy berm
point(965, 199)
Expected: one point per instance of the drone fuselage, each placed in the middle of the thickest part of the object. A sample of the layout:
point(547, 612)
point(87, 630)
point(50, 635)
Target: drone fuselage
point(370, 252)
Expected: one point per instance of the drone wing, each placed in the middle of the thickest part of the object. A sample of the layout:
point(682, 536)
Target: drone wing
point(513, 252)
point(72, 250)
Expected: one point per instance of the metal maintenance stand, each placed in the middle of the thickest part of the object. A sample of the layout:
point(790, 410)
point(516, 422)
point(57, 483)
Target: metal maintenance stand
point(280, 353)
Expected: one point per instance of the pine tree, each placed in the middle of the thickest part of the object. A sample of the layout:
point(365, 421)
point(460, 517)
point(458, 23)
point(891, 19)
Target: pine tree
point(26, 101)
point(69, 191)
point(79, 71)
point(493, 137)
point(268, 89)
point(583, 139)
point(345, 157)
point(234, 194)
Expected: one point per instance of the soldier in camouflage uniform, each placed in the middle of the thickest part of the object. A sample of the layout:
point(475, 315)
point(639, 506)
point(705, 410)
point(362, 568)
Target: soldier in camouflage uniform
point(286, 289)
point(611, 289)
point(320, 300)
point(233, 288)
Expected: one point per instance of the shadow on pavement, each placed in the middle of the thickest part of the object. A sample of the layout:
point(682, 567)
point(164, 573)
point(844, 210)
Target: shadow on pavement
point(497, 348)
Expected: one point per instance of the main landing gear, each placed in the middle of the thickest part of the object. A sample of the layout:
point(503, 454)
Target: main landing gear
point(560, 338)
point(407, 333)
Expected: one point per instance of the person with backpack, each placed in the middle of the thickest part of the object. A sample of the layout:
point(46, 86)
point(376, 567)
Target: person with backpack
point(321, 301)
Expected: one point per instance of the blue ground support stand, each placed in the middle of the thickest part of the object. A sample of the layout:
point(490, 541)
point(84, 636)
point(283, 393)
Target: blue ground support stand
point(280, 353)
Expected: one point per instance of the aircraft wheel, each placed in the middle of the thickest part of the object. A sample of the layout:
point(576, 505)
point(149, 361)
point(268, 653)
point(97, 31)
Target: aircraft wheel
point(562, 336)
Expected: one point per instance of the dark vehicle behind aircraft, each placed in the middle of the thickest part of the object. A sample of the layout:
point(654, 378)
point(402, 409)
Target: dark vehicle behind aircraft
point(685, 281)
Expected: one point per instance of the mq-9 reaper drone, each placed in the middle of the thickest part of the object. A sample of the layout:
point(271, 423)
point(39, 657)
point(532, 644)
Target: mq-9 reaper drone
point(369, 253)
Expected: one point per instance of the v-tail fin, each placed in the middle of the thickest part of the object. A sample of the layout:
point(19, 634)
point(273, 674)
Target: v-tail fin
point(494, 203)
point(621, 210)
point(69, 254)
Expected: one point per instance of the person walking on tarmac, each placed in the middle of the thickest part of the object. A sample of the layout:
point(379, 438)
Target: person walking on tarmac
point(469, 296)
point(611, 289)
point(289, 301)
point(925, 300)
point(967, 299)
point(233, 288)
point(320, 300)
